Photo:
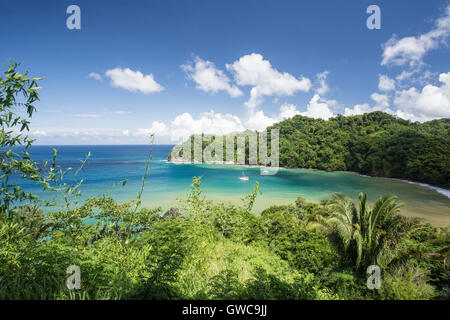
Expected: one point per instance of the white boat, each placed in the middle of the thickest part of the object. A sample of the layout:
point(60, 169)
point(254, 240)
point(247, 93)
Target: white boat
point(243, 177)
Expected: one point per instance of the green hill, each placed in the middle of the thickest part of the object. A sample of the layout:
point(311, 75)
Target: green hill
point(375, 144)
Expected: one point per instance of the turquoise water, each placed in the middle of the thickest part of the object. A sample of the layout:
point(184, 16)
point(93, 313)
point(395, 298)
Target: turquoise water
point(108, 165)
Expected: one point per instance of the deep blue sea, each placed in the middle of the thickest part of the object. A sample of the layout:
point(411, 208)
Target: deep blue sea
point(109, 165)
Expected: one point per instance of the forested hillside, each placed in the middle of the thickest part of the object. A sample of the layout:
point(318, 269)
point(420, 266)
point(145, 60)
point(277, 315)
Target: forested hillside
point(375, 144)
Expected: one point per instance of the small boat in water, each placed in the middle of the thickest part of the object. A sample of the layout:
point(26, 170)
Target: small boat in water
point(243, 177)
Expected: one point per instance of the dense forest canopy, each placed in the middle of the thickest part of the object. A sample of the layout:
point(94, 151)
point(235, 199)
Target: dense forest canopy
point(376, 144)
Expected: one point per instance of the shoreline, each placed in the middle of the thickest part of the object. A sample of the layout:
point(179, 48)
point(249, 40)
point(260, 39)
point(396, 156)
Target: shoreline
point(440, 190)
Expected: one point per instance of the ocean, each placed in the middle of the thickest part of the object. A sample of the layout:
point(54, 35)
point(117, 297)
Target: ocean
point(167, 182)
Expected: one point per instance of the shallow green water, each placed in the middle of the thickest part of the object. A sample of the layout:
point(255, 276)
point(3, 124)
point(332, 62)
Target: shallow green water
point(223, 183)
point(166, 182)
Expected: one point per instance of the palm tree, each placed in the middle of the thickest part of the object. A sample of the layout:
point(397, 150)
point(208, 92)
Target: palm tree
point(366, 235)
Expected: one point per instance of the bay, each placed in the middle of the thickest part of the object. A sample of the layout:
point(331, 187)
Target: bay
point(109, 165)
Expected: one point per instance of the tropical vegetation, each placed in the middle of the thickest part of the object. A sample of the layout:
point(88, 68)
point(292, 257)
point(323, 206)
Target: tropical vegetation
point(199, 249)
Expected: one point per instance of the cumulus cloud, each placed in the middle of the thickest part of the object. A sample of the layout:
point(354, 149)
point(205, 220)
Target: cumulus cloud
point(288, 111)
point(158, 128)
point(184, 125)
point(212, 122)
point(358, 109)
point(411, 50)
point(382, 101)
point(319, 108)
point(322, 78)
point(259, 121)
point(133, 80)
point(431, 102)
point(209, 122)
point(95, 76)
point(210, 79)
point(385, 83)
point(414, 77)
point(381, 104)
point(405, 75)
point(252, 70)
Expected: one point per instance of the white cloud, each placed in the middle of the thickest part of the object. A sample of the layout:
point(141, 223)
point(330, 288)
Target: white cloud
point(159, 128)
point(415, 77)
point(405, 75)
point(212, 123)
point(319, 108)
point(133, 80)
point(209, 122)
point(382, 101)
point(95, 76)
point(259, 121)
point(358, 109)
point(431, 102)
point(210, 79)
point(381, 104)
point(411, 50)
point(288, 111)
point(406, 50)
point(322, 77)
point(316, 108)
point(385, 83)
point(253, 70)
point(185, 125)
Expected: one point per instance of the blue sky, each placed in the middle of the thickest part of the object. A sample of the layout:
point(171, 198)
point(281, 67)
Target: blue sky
point(177, 67)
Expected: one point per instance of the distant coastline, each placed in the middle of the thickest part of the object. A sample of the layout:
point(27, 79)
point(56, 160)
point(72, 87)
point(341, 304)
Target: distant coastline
point(443, 191)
